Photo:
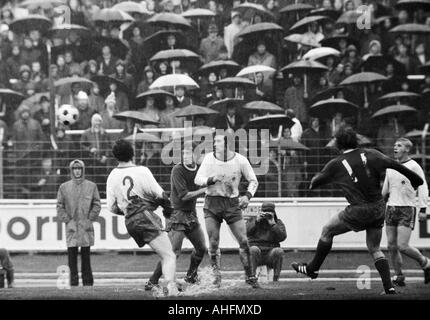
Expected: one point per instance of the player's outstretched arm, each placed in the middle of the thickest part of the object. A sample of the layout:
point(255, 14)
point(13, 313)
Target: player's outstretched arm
point(414, 178)
point(324, 177)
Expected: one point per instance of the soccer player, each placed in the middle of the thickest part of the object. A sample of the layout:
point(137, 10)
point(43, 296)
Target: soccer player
point(357, 171)
point(133, 191)
point(184, 222)
point(221, 171)
point(400, 212)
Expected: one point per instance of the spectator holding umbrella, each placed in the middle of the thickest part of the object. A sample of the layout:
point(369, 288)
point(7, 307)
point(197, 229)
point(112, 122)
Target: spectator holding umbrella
point(151, 110)
point(230, 120)
point(121, 98)
point(313, 35)
point(63, 70)
point(183, 100)
point(231, 31)
point(262, 56)
point(294, 99)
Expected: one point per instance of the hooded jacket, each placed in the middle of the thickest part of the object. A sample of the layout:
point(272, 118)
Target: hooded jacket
point(262, 235)
point(78, 205)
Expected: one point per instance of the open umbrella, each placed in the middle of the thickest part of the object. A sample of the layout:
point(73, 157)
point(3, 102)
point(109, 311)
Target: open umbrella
point(64, 84)
point(131, 7)
point(30, 22)
point(144, 137)
point(236, 82)
point(258, 28)
point(35, 98)
point(412, 5)
point(252, 70)
point(43, 4)
point(288, 144)
point(171, 81)
point(333, 92)
point(308, 20)
point(167, 20)
point(176, 54)
point(111, 15)
point(411, 28)
point(398, 95)
point(380, 62)
point(155, 93)
point(331, 13)
point(153, 43)
point(329, 107)
point(63, 31)
point(104, 83)
point(363, 78)
point(230, 66)
point(300, 39)
point(318, 53)
point(136, 116)
point(221, 105)
point(11, 97)
point(272, 121)
point(394, 110)
point(333, 41)
point(118, 47)
point(194, 110)
point(263, 107)
point(304, 67)
point(250, 10)
point(296, 7)
point(349, 17)
point(362, 141)
point(198, 14)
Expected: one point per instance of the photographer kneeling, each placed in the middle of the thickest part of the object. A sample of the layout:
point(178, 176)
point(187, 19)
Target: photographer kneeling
point(265, 232)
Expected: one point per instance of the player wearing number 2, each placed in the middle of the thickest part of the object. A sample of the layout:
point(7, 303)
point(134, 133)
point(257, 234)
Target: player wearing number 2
point(132, 191)
point(358, 173)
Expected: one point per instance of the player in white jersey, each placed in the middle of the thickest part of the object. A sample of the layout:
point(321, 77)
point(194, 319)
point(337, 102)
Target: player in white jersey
point(400, 212)
point(132, 191)
point(222, 171)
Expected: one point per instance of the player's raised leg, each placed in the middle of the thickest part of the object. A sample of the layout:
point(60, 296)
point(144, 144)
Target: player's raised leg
point(212, 228)
point(396, 257)
point(162, 246)
point(333, 228)
point(373, 241)
point(197, 239)
point(238, 229)
point(403, 237)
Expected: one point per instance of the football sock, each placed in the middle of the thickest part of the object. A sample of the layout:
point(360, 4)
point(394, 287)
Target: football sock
point(194, 264)
point(158, 272)
point(383, 268)
point(245, 258)
point(323, 249)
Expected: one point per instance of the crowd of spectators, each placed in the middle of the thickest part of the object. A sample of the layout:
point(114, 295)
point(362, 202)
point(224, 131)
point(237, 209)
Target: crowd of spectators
point(35, 158)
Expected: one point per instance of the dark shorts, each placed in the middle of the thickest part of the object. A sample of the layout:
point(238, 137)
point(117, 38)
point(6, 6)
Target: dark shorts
point(364, 216)
point(400, 216)
point(144, 227)
point(181, 220)
point(222, 208)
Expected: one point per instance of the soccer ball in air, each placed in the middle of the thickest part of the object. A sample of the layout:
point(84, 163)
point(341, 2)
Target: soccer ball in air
point(68, 114)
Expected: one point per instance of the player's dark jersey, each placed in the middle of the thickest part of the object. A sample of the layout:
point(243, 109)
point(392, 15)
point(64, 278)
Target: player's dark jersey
point(182, 181)
point(359, 172)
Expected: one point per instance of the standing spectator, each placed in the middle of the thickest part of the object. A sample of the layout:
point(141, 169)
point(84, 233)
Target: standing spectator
point(71, 65)
point(262, 56)
point(107, 61)
point(231, 31)
point(294, 99)
point(297, 129)
point(85, 112)
point(7, 265)
point(265, 232)
point(92, 69)
point(95, 144)
point(210, 47)
point(27, 136)
point(231, 120)
point(63, 70)
point(78, 205)
point(290, 167)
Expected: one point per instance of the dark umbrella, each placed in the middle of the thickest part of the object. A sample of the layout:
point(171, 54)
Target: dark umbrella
point(297, 7)
point(263, 107)
point(411, 28)
point(380, 62)
point(30, 22)
point(64, 84)
point(328, 108)
point(158, 40)
point(11, 97)
point(257, 28)
point(63, 31)
point(176, 54)
point(138, 116)
point(104, 83)
point(412, 5)
point(167, 19)
point(333, 41)
point(304, 67)
point(236, 82)
point(215, 66)
point(363, 78)
point(221, 105)
point(300, 39)
point(331, 13)
point(272, 121)
point(118, 47)
point(156, 93)
point(308, 20)
point(398, 95)
point(193, 111)
point(43, 4)
point(198, 14)
point(394, 110)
